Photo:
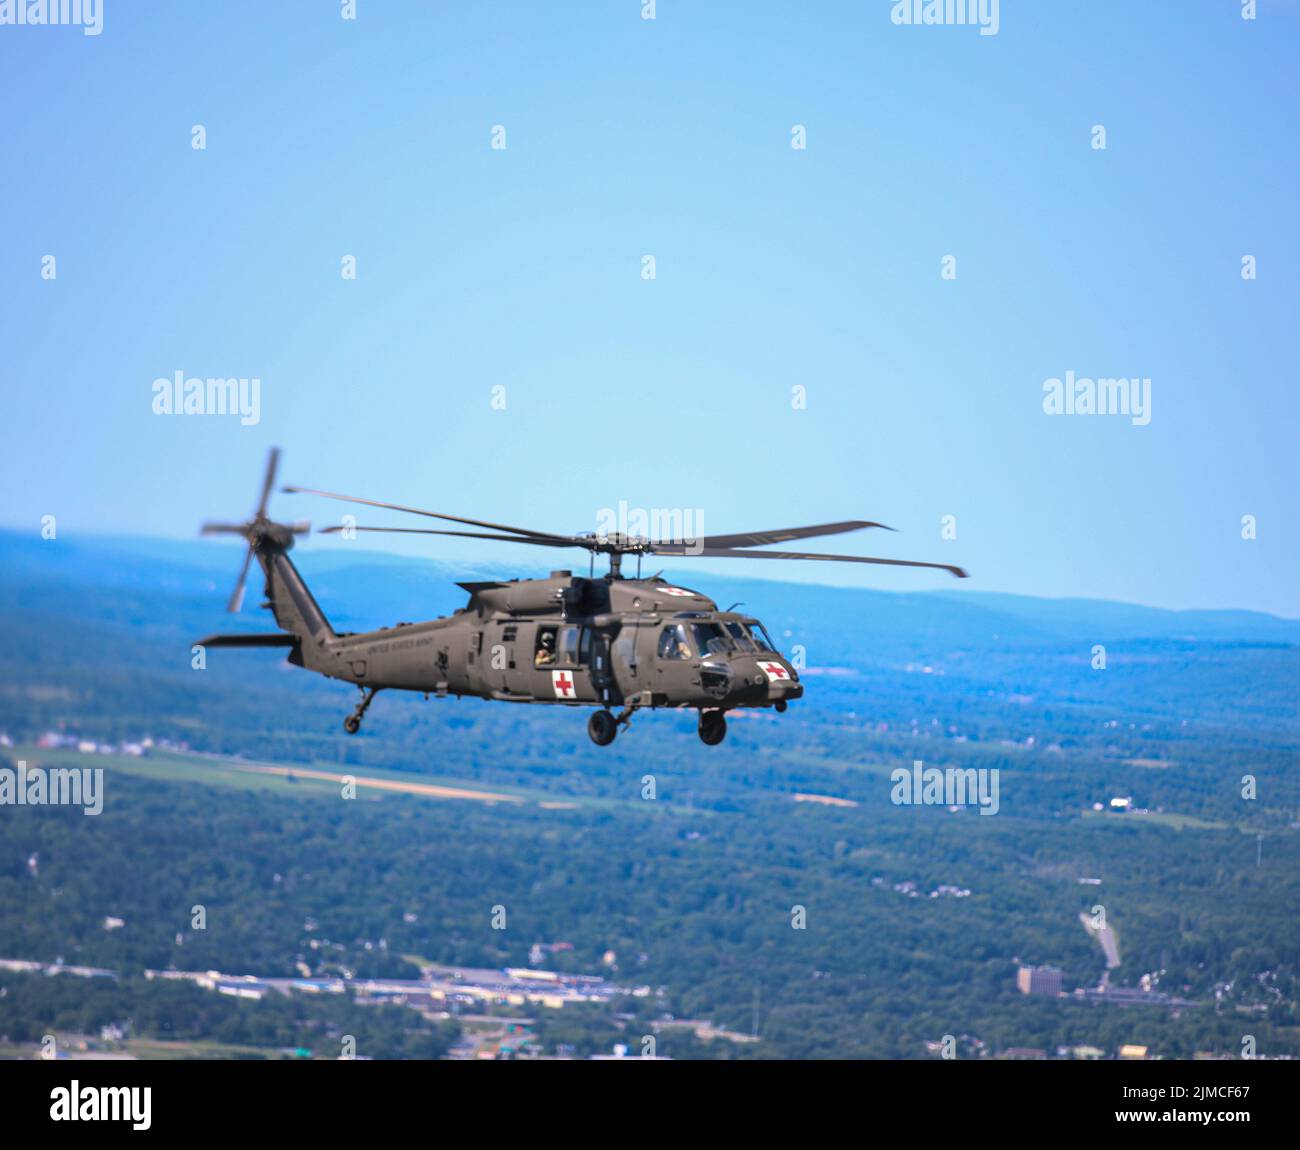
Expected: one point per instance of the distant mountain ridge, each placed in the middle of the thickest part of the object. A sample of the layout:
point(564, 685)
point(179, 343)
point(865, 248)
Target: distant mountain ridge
point(367, 588)
point(100, 634)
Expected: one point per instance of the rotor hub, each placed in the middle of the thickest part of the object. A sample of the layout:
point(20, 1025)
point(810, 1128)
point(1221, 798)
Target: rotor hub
point(618, 542)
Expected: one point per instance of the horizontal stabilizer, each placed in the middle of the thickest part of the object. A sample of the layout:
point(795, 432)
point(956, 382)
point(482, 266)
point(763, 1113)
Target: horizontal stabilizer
point(272, 640)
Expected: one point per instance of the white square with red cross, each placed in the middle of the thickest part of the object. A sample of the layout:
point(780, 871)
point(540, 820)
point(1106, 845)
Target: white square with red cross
point(562, 682)
point(774, 671)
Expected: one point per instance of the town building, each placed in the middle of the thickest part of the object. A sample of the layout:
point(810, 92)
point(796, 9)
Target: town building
point(1038, 980)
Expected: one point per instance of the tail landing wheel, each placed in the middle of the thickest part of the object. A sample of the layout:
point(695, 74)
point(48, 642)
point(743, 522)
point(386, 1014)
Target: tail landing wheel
point(352, 724)
point(713, 727)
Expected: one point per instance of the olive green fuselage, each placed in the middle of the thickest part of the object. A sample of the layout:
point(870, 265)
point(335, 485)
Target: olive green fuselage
point(570, 640)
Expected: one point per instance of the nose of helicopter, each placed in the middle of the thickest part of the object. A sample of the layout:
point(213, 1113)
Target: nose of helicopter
point(758, 681)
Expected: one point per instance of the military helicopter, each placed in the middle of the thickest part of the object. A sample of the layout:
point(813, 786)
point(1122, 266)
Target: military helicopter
point(597, 641)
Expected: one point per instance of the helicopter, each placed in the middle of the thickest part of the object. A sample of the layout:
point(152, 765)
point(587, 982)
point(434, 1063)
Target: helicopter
point(601, 642)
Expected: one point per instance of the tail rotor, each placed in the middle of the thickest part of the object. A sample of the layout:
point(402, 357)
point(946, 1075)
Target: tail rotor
point(257, 530)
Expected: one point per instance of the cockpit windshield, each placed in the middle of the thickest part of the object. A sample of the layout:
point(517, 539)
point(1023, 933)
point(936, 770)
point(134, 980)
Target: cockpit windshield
point(741, 637)
point(718, 639)
point(711, 639)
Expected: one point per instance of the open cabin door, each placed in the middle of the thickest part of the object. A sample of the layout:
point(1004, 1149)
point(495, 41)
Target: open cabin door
point(564, 661)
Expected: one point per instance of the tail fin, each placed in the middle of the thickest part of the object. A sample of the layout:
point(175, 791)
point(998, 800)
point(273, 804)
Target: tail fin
point(294, 606)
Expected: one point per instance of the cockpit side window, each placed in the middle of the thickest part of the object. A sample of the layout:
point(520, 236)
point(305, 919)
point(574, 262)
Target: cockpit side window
point(673, 644)
point(761, 638)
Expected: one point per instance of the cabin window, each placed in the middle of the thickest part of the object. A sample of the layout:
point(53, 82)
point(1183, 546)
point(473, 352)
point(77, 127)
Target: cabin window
point(544, 654)
point(568, 650)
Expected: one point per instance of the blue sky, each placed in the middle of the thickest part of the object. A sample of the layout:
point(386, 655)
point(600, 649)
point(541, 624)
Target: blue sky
point(775, 268)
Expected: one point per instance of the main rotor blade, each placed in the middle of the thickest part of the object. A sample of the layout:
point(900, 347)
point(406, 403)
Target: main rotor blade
point(431, 514)
point(542, 541)
point(237, 595)
point(272, 465)
point(222, 529)
point(732, 553)
point(785, 535)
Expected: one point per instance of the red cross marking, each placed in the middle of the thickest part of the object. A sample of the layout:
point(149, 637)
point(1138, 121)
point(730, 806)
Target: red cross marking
point(563, 684)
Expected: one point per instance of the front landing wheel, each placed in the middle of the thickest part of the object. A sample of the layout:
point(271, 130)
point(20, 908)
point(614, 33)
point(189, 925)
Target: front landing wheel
point(602, 727)
point(713, 727)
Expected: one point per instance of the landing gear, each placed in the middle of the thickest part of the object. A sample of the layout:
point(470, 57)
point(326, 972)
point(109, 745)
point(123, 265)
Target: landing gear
point(352, 724)
point(713, 727)
point(780, 706)
point(602, 727)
